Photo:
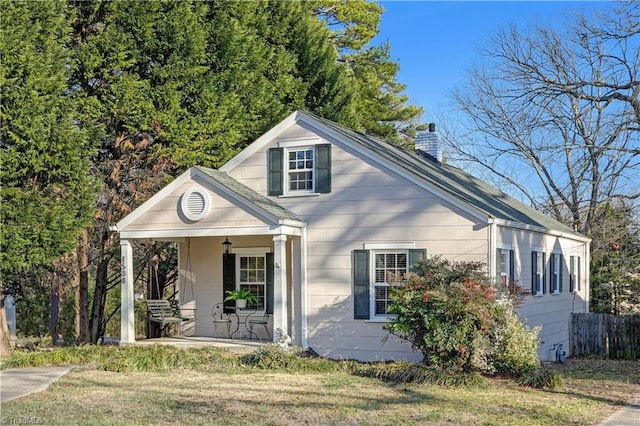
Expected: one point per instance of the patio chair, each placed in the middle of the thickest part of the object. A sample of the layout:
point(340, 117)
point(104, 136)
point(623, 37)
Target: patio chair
point(259, 320)
point(220, 318)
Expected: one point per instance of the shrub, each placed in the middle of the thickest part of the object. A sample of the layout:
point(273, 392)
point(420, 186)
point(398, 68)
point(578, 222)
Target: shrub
point(516, 347)
point(541, 378)
point(442, 308)
point(273, 356)
point(402, 372)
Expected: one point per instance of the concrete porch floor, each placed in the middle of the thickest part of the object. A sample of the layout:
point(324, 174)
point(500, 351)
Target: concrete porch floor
point(232, 345)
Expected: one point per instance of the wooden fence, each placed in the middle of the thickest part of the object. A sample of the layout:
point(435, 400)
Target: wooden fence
point(605, 335)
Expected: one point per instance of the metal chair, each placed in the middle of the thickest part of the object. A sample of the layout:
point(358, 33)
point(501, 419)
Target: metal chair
point(220, 317)
point(262, 320)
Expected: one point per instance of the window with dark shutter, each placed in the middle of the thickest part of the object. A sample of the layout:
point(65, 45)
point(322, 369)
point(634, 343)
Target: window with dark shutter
point(323, 168)
point(228, 279)
point(361, 282)
point(299, 169)
point(275, 171)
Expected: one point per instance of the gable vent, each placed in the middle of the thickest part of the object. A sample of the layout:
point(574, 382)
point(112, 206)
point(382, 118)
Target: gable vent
point(194, 204)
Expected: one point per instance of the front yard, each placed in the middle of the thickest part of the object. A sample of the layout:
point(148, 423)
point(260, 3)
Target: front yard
point(592, 390)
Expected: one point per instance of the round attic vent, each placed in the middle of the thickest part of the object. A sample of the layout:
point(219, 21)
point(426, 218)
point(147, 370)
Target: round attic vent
point(194, 204)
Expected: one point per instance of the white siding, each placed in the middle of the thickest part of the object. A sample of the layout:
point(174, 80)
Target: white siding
point(367, 204)
point(165, 214)
point(550, 311)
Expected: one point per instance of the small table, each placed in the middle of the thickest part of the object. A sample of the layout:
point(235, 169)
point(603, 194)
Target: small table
point(235, 313)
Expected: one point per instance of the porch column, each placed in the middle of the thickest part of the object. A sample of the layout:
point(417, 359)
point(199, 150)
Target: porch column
point(127, 309)
point(280, 319)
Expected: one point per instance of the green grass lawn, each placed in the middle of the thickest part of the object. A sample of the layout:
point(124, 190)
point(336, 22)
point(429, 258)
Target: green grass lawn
point(237, 394)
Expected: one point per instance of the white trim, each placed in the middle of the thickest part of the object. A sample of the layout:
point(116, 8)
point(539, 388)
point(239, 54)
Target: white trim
point(379, 319)
point(372, 274)
point(195, 216)
point(299, 143)
point(303, 289)
point(299, 194)
point(492, 260)
point(250, 250)
point(127, 300)
point(541, 230)
point(253, 252)
point(389, 246)
point(209, 232)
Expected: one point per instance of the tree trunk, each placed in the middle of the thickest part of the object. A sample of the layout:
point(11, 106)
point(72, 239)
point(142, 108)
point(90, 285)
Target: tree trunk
point(54, 306)
point(6, 343)
point(99, 299)
point(155, 290)
point(82, 297)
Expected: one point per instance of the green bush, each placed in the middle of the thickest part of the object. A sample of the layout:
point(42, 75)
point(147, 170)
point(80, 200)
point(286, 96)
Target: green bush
point(123, 358)
point(442, 308)
point(541, 378)
point(403, 372)
point(277, 357)
point(516, 347)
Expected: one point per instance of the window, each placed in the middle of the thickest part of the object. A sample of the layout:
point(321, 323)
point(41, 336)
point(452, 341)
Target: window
point(538, 278)
point(386, 265)
point(505, 266)
point(300, 169)
point(252, 277)
point(555, 273)
point(574, 273)
point(372, 268)
point(295, 168)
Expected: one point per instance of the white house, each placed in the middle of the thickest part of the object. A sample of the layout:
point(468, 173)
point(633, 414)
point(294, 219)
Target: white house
point(317, 215)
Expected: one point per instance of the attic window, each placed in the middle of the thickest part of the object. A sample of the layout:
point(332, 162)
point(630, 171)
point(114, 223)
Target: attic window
point(194, 204)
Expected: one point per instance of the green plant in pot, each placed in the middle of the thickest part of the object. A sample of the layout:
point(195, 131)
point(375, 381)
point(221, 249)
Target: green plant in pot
point(242, 297)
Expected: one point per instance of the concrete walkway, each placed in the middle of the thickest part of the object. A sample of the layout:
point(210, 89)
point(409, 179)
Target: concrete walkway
point(17, 382)
point(628, 415)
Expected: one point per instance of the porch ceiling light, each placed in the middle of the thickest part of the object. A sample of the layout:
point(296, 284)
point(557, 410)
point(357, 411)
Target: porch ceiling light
point(194, 204)
point(227, 246)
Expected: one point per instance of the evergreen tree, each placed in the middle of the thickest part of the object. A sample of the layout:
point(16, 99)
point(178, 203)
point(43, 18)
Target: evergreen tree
point(46, 192)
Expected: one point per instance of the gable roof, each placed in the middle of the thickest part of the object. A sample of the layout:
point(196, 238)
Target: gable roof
point(242, 195)
point(249, 196)
point(446, 179)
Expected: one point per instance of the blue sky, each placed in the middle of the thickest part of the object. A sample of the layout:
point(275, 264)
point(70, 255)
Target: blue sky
point(436, 41)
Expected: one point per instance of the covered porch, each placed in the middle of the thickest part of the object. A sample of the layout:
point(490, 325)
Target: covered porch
point(228, 237)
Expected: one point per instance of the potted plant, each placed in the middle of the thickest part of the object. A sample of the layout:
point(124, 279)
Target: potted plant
point(241, 297)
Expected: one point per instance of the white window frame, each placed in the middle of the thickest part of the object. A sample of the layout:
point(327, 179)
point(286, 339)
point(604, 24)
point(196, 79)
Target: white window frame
point(299, 145)
point(574, 273)
point(373, 283)
point(505, 251)
point(252, 252)
point(555, 277)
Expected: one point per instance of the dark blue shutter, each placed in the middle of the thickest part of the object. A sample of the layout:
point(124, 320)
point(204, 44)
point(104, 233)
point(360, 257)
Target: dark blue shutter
point(416, 256)
point(228, 279)
point(544, 272)
point(323, 168)
point(561, 262)
point(572, 273)
point(361, 282)
point(269, 282)
point(512, 267)
point(275, 171)
point(534, 272)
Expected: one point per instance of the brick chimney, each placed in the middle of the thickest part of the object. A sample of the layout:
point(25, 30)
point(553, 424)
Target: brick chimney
point(429, 145)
